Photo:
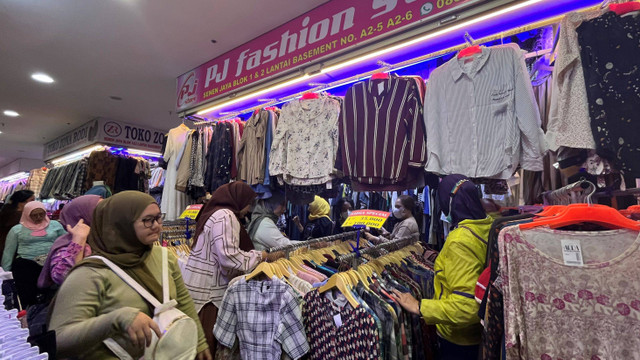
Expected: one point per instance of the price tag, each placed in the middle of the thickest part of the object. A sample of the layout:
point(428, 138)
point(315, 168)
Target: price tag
point(337, 319)
point(572, 252)
point(191, 212)
point(370, 218)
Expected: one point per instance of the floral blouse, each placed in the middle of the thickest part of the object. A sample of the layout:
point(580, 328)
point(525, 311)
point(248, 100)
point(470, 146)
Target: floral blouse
point(305, 143)
point(557, 311)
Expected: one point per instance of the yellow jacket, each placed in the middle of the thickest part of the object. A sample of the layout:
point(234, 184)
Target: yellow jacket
point(454, 309)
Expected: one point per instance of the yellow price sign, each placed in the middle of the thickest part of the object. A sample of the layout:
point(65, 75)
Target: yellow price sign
point(191, 212)
point(371, 218)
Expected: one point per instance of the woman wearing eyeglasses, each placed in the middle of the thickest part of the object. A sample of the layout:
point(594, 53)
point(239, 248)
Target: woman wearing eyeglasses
point(94, 304)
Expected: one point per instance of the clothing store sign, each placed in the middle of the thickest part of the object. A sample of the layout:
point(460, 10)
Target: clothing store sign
point(117, 133)
point(107, 132)
point(371, 218)
point(324, 31)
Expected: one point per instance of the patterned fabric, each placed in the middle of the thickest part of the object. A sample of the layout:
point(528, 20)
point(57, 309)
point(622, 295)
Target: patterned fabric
point(569, 122)
point(554, 311)
point(219, 158)
point(265, 317)
point(610, 47)
point(357, 338)
point(64, 259)
point(496, 129)
point(216, 259)
point(103, 166)
point(493, 335)
point(305, 143)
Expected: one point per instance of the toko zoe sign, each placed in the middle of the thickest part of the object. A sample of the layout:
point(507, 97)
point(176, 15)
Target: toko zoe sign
point(323, 31)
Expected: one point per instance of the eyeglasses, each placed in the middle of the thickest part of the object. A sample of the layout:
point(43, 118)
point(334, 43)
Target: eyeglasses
point(148, 221)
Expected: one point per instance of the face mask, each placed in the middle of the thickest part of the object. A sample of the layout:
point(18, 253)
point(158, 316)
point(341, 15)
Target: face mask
point(398, 213)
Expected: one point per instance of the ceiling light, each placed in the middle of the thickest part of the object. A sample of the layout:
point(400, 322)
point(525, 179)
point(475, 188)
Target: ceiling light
point(1, 133)
point(14, 177)
point(11, 113)
point(376, 54)
point(42, 77)
point(76, 155)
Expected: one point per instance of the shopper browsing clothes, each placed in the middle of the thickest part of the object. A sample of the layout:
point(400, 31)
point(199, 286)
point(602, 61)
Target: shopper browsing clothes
point(70, 248)
point(11, 212)
point(454, 309)
point(319, 224)
point(262, 229)
point(406, 227)
point(222, 251)
point(94, 304)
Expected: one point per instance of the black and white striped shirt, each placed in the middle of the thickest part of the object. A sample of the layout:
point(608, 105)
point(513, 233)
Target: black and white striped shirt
point(481, 116)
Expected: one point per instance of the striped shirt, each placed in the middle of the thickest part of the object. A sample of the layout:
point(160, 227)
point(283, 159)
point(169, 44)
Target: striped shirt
point(481, 116)
point(382, 132)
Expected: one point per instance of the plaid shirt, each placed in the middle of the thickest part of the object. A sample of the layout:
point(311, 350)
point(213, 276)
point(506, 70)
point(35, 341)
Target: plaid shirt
point(265, 317)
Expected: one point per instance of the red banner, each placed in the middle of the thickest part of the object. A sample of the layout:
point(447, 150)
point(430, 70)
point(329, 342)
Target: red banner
point(317, 34)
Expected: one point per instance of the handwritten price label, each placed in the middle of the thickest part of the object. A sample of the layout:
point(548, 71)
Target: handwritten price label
point(371, 218)
point(191, 212)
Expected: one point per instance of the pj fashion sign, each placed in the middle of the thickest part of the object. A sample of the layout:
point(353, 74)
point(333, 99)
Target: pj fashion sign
point(326, 30)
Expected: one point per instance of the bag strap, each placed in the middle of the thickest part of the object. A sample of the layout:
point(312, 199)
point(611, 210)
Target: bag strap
point(474, 234)
point(165, 276)
point(129, 280)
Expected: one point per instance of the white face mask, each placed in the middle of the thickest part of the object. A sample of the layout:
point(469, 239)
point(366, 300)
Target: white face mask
point(399, 213)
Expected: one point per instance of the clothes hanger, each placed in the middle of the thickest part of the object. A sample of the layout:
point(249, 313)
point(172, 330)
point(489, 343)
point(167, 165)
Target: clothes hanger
point(551, 210)
point(625, 8)
point(471, 49)
point(337, 281)
point(580, 213)
point(379, 76)
point(264, 268)
point(309, 96)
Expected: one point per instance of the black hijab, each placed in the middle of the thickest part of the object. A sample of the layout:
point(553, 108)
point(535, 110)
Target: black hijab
point(466, 203)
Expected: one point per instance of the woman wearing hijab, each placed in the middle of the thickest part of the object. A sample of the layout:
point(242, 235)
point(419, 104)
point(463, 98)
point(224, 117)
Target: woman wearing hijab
point(262, 229)
point(454, 309)
point(405, 227)
point(320, 224)
point(11, 212)
point(94, 304)
point(70, 248)
point(33, 237)
point(222, 250)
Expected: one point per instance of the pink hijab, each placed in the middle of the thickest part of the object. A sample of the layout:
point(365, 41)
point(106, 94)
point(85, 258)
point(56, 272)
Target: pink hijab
point(25, 220)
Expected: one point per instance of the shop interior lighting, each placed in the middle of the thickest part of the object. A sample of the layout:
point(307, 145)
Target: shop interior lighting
point(376, 54)
point(152, 154)
point(76, 155)
point(15, 177)
point(42, 77)
point(11, 113)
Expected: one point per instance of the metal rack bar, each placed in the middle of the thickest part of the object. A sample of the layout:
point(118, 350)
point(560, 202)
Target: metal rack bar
point(397, 244)
point(301, 244)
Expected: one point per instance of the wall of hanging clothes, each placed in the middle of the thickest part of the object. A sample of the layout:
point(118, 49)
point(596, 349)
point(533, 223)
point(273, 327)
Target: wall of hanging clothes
point(118, 172)
point(9, 187)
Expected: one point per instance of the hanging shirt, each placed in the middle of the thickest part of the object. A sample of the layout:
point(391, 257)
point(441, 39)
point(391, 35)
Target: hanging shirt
point(265, 317)
point(305, 143)
point(381, 132)
point(553, 310)
point(251, 153)
point(569, 122)
point(481, 116)
point(610, 49)
point(337, 331)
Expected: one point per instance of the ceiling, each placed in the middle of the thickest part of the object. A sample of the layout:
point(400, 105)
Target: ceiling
point(94, 49)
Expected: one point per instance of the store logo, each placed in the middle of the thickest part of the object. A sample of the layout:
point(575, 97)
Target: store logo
point(112, 129)
point(187, 93)
point(426, 9)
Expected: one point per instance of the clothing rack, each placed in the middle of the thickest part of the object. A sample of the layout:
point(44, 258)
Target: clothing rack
point(396, 244)
point(301, 244)
point(578, 192)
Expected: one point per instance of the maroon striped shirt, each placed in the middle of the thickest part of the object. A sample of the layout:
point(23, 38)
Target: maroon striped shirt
point(382, 132)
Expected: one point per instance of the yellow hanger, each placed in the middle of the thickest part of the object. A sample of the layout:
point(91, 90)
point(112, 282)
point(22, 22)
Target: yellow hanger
point(338, 282)
point(264, 268)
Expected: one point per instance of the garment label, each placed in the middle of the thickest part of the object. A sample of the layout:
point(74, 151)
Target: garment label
point(572, 252)
point(380, 88)
point(337, 319)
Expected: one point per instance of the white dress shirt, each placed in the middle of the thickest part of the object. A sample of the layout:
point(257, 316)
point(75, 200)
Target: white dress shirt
point(481, 117)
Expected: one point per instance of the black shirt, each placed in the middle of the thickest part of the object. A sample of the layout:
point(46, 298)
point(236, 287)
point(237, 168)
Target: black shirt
point(317, 228)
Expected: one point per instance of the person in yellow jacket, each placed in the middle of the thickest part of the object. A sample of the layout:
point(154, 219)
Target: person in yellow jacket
point(454, 309)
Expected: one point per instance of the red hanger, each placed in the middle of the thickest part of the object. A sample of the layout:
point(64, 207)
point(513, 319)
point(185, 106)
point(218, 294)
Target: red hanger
point(309, 96)
point(625, 8)
point(551, 210)
point(379, 76)
point(470, 51)
point(580, 213)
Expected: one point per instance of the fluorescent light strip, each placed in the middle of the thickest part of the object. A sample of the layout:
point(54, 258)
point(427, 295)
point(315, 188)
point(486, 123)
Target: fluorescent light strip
point(430, 35)
point(77, 155)
point(375, 54)
point(15, 177)
point(143, 152)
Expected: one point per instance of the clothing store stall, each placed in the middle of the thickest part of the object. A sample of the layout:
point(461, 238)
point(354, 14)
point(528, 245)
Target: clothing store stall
point(534, 101)
point(109, 155)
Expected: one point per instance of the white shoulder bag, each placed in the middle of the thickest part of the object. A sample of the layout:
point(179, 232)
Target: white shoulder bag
point(179, 339)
